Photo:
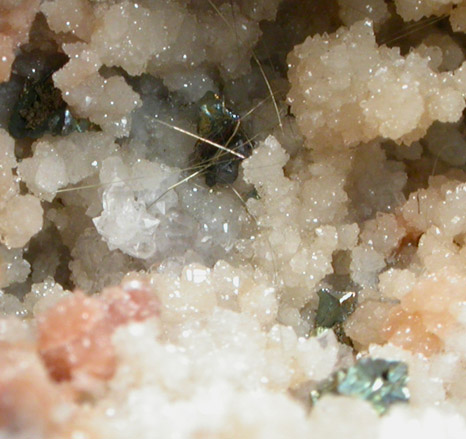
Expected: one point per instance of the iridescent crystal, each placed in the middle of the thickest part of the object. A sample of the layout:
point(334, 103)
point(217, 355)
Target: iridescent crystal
point(334, 307)
point(215, 119)
point(41, 110)
point(378, 381)
point(220, 125)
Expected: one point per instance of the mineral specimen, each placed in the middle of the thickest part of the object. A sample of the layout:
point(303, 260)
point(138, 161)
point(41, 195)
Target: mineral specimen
point(394, 96)
point(380, 382)
point(220, 125)
point(216, 334)
point(334, 307)
point(16, 18)
point(40, 109)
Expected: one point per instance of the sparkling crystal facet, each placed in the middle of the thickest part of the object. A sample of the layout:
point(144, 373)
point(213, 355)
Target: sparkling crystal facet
point(378, 381)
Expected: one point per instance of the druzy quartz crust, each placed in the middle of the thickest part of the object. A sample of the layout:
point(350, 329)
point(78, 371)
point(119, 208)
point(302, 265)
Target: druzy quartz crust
point(232, 219)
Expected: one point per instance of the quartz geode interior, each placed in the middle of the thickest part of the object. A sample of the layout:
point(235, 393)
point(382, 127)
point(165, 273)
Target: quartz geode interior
point(154, 287)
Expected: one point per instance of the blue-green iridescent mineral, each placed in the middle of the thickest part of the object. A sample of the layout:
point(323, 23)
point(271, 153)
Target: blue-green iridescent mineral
point(378, 381)
point(215, 119)
point(218, 124)
point(41, 110)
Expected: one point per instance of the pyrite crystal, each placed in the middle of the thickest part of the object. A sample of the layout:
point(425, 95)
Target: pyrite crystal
point(220, 125)
point(333, 309)
point(41, 110)
point(380, 382)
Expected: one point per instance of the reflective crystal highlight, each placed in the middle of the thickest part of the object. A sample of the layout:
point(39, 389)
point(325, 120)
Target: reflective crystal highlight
point(378, 381)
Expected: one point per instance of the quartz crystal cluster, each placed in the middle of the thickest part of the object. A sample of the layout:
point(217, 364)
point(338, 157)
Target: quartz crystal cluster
point(154, 284)
point(395, 97)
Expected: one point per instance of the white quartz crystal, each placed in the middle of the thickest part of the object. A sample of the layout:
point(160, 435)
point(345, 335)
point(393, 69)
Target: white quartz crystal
point(58, 162)
point(394, 96)
point(137, 302)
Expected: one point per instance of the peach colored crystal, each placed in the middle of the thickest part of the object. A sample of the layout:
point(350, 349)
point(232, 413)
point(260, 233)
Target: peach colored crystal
point(428, 313)
point(75, 335)
point(28, 398)
point(408, 331)
point(16, 18)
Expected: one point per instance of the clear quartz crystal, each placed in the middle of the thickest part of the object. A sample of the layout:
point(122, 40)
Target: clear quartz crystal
point(125, 223)
point(203, 304)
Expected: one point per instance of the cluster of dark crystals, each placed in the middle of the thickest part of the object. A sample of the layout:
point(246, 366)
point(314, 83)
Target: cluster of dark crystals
point(221, 126)
point(334, 308)
point(380, 382)
point(40, 109)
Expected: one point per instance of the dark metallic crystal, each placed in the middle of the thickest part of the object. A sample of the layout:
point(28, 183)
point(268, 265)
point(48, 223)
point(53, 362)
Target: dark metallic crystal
point(41, 110)
point(333, 309)
point(378, 381)
point(220, 125)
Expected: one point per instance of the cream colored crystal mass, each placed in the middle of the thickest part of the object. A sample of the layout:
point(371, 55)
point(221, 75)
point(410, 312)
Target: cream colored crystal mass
point(135, 307)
